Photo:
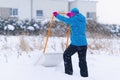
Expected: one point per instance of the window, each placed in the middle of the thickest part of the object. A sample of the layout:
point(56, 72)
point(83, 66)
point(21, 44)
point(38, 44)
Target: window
point(39, 13)
point(13, 12)
point(10, 11)
point(91, 14)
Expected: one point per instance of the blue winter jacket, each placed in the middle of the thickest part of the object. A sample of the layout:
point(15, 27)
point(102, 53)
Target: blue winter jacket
point(77, 27)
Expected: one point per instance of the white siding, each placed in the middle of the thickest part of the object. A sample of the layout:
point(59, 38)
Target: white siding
point(86, 6)
point(23, 7)
point(48, 7)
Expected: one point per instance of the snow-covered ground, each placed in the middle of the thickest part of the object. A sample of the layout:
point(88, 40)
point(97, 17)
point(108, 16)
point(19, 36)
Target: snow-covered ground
point(19, 63)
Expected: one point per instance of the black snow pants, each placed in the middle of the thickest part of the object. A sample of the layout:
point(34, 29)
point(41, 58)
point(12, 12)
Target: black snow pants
point(81, 50)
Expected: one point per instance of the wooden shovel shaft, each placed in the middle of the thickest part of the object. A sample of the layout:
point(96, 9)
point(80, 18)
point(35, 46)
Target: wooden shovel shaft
point(68, 35)
point(61, 12)
point(49, 32)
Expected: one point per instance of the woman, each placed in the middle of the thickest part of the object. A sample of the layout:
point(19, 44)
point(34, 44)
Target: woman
point(78, 43)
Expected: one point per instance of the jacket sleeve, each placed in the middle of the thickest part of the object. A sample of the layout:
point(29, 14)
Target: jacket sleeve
point(64, 19)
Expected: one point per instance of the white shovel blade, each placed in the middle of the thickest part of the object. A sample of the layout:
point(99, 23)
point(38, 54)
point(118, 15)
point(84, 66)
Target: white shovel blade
point(52, 59)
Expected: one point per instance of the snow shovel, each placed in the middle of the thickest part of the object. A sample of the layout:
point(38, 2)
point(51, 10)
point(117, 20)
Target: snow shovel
point(52, 59)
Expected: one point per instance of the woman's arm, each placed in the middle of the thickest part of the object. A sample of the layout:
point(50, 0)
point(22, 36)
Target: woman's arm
point(64, 19)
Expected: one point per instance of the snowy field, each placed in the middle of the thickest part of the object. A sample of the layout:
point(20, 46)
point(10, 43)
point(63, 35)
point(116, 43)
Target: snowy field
point(19, 56)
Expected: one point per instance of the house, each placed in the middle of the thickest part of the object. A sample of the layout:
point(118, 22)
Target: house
point(40, 9)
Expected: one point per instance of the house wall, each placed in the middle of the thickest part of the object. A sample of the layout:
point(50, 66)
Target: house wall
point(87, 6)
point(23, 7)
point(48, 7)
point(4, 12)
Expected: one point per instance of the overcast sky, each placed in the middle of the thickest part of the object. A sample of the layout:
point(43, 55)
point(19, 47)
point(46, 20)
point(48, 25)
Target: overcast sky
point(108, 11)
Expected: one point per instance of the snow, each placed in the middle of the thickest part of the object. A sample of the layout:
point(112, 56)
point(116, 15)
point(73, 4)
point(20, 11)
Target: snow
point(16, 64)
point(36, 26)
point(9, 27)
point(107, 11)
point(31, 28)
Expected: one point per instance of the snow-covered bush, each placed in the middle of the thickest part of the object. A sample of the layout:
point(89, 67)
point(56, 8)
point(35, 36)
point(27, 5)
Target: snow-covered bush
point(58, 28)
point(17, 27)
point(9, 27)
point(113, 28)
point(96, 29)
point(14, 26)
point(106, 30)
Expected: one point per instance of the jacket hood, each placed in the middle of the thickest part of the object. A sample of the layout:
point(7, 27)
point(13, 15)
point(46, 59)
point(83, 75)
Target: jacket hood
point(75, 10)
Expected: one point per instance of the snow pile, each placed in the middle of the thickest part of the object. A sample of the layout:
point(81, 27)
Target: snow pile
point(56, 44)
point(104, 46)
point(19, 63)
point(21, 45)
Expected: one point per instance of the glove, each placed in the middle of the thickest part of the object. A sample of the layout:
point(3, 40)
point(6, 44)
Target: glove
point(70, 14)
point(55, 13)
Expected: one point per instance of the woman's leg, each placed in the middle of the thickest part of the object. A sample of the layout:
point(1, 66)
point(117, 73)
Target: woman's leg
point(82, 61)
point(67, 59)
